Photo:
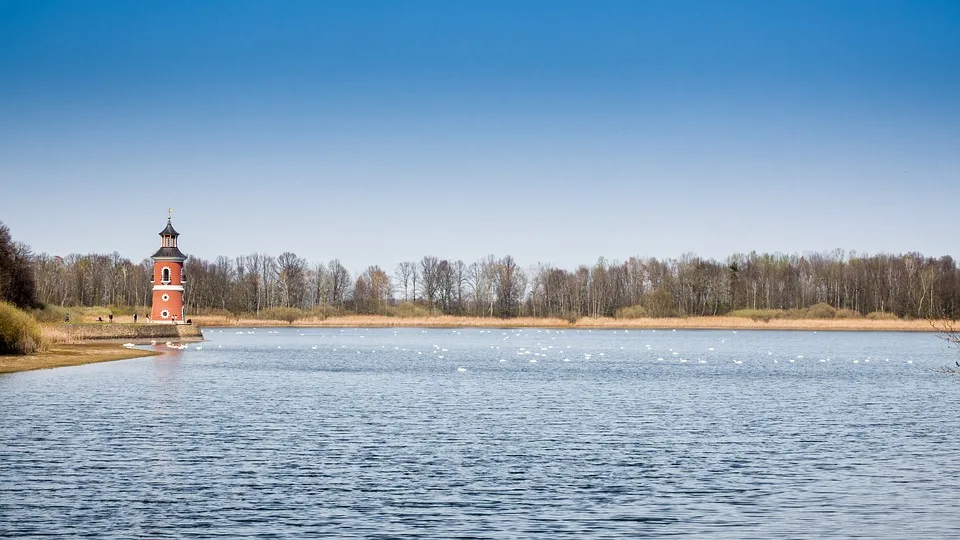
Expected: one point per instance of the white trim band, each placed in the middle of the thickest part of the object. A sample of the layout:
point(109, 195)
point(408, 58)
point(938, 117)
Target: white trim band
point(168, 288)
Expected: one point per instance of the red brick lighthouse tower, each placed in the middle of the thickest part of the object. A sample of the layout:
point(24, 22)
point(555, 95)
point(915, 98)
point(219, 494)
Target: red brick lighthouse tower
point(168, 277)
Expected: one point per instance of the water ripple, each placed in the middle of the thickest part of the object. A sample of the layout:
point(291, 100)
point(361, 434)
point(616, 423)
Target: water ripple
point(314, 439)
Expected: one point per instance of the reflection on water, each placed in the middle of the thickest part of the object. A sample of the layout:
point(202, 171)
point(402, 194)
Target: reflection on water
point(490, 433)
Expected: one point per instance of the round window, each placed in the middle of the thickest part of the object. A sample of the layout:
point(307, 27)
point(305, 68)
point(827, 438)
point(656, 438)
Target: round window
point(165, 297)
point(165, 314)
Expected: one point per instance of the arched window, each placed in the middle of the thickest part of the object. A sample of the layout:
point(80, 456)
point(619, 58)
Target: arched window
point(165, 274)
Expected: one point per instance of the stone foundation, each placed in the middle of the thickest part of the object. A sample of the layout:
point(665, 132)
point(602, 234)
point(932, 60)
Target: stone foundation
point(133, 332)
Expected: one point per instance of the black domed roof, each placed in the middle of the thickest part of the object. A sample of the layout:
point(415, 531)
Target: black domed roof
point(169, 253)
point(169, 230)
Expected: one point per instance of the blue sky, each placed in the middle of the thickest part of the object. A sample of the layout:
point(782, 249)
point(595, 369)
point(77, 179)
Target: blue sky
point(378, 132)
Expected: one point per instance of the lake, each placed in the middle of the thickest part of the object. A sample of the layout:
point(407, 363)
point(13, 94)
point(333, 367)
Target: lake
point(481, 433)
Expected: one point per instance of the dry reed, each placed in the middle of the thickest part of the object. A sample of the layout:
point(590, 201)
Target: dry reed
point(450, 321)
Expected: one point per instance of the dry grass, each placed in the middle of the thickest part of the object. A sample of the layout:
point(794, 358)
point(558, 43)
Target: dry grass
point(740, 323)
point(57, 334)
point(447, 321)
point(90, 314)
point(61, 355)
point(382, 321)
point(221, 320)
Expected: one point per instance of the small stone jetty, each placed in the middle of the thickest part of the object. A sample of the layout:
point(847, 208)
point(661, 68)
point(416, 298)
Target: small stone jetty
point(138, 331)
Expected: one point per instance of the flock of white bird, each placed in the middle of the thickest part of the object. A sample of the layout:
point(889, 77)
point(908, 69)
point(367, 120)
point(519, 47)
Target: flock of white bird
point(533, 354)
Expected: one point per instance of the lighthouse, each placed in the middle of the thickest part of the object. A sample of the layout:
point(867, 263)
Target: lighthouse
point(168, 277)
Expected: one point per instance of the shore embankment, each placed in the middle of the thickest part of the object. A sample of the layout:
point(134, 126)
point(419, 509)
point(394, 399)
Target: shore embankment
point(82, 332)
point(87, 343)
point(70, 354)
point(702, 323)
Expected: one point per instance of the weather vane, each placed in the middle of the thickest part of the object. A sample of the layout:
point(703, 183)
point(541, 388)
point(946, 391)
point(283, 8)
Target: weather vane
point(169, 214)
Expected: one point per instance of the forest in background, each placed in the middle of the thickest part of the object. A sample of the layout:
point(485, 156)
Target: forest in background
point(904, 285)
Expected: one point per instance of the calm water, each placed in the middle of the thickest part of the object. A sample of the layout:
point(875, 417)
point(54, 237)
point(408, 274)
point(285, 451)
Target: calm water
point(491, 433)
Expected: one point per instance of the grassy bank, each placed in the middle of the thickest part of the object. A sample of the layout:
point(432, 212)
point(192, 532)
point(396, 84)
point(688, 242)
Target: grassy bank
point(62, 354)
point(449, 321)
point(26, 343)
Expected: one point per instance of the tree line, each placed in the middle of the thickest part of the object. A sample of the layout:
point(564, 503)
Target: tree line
point(906, 285)
point(17, 285)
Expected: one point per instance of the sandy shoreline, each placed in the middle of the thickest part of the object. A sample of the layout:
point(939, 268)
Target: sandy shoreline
point(75, 344)
point(72, 354)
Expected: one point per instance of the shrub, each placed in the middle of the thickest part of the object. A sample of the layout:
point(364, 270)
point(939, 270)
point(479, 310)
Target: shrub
point(50, 313)
point(758, 314)
point(659, 303)
point(848, 314)
point(631, 312)
point(321, 313)
point(407, 310)
point(794, 313)
point(881, 316)
point(288, 314)
point(822, 310)
point(19, 332)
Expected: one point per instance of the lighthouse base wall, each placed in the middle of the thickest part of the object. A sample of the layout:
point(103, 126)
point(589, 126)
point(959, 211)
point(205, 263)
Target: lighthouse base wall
point(142, 331)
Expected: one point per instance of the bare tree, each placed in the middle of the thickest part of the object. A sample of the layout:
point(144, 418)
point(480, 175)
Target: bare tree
point(339, 283)
point(510, 286)
point(481, 277)
point(291, 279)
point(18, 283)
point(459, 271)
point(372, 291)
point(321, 289)
point(405, 273)
point(430, 278)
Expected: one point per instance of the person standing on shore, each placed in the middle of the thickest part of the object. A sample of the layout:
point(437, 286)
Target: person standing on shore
point(110, 316)
point(134, 318)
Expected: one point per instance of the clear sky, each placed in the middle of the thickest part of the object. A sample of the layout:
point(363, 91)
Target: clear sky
point(552, 131)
